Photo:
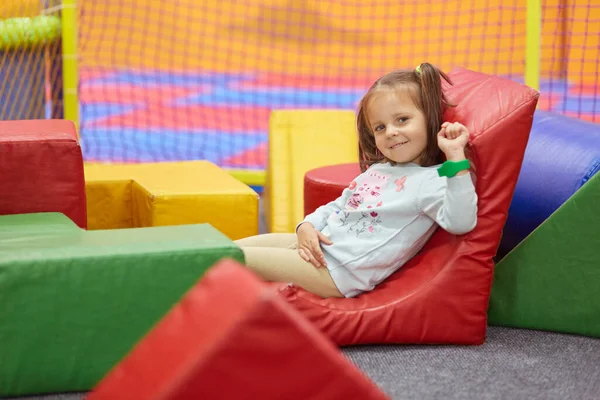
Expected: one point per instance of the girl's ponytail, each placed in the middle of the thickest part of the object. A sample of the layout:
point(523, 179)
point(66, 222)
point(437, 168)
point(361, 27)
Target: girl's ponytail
point(434, 103)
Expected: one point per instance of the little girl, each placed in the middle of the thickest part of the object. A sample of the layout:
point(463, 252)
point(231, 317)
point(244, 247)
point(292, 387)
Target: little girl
point(387, 213)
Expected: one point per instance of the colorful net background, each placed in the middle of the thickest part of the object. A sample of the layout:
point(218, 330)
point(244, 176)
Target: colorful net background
point(30, 59)
point(196, 79)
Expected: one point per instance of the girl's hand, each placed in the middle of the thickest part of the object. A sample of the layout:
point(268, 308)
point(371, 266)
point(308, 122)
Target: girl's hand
point(309, 244)
point(452, 139)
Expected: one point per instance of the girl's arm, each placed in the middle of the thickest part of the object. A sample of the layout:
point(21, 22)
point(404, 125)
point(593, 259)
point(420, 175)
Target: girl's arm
point(450, 202)
point(319, 217)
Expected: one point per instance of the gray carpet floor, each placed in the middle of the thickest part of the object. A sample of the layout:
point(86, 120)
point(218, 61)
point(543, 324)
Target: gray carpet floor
point(513, 364)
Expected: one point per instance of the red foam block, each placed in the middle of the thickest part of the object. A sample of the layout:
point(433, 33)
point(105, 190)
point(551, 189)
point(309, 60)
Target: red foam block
point(233, 337)
point(41, 169)
point(324, 184)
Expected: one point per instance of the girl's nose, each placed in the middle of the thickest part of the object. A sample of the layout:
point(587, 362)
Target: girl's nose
point(391, 131)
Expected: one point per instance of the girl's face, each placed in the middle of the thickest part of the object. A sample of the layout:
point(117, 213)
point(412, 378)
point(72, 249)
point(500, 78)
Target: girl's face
point(399, 127)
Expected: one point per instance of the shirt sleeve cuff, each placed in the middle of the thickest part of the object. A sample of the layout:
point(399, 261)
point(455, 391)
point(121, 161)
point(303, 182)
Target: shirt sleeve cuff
point(461, 183)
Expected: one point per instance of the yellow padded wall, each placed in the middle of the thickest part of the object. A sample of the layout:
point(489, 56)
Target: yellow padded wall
point(300, 140)
point(108, 203)
point(155, 194)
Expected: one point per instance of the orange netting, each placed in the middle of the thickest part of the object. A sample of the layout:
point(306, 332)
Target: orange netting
point(30, 60)
point(191, 79)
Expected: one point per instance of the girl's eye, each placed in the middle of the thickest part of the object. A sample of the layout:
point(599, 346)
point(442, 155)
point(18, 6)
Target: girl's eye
point(402, 119)
point(378, 128)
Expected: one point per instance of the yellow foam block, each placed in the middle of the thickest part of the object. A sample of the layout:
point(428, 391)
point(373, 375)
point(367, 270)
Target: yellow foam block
point(155, 194)
point(300, 140)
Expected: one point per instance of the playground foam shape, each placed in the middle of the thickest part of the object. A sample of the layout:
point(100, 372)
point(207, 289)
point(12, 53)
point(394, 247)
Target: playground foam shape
point(300, 140)
point(74, 302)
point(232, 337)
point(41, 169)
point(158, 194)
point(550, 280)
point(562, 154)
point(441, 295)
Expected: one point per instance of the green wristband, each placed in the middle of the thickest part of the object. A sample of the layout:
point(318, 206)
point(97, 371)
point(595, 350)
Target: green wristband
point(451, 168)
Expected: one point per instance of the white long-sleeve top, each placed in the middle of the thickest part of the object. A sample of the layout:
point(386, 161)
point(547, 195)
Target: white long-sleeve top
point(386, 216)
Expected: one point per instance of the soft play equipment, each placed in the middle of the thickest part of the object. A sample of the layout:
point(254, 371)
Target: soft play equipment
point(41, 169)
point(232, 337)
point(441, 295)
point(300, 140)
point(74, 302)
point(550, 280)
point(169, 193)
point(563, 153)
point(321, 185)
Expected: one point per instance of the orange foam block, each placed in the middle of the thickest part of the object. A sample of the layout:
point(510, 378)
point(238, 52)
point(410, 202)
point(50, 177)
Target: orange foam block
point(233, 337)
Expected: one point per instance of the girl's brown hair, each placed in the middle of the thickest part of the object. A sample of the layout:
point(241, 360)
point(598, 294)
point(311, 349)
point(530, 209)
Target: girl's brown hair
point(425, 86)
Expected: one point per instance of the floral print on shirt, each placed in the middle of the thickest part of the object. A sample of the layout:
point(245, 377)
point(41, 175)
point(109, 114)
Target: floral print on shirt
point(366, 193)
point(368, 190)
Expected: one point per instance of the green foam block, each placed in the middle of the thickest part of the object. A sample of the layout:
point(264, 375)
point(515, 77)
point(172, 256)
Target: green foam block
point(551, 280)
point(74, 302)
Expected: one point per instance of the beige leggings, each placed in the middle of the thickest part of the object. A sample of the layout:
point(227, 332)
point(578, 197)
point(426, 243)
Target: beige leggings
point(273, 256)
